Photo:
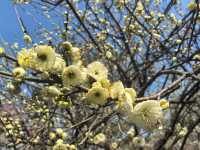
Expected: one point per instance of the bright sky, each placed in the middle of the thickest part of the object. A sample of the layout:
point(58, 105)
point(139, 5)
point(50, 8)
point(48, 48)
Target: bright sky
point(10, 30)
point(9, 26)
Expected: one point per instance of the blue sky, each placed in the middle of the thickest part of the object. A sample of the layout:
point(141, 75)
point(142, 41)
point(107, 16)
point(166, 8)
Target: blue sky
point(9, 27)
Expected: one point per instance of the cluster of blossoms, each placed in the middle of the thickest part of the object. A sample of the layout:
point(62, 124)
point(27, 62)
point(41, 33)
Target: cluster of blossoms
point(58, 137)
point(94, 78)
point(98, 91)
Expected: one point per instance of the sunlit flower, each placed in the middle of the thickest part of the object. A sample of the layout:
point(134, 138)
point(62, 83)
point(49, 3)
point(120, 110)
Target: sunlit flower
point(59, 65)
point(124, 103)
point(52, 135)
point(120, 3)
point(139, 8)
point(97, 70)
point(73, 75)
point(132, 93)
point(63, 104)
point(105, 83)
point(192, 6)
point(147, 115)
point(115, 89)
point(60, 146)
point(75, 54)
point(114, 145)
point(18, 73)
point(72, 147)
point(25, 58)
point(138, 141)
point(183, 132)
point(53, 91)
point(27, 39)
point(178, 127)
point(9, 126)
point(96, 84)
point(66, 46)
point(59, 141)
point(197, 57)
point(99, 138)
point(164, 104)
point(59, 131)
point(63, 135)
point(1, 50)
point(108, 54)
point(178, 41)
point(97, 95)
point(44, 58)
point(131, 132)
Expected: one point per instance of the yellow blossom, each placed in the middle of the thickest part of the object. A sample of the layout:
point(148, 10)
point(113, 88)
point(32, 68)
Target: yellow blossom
point(178, 41)
point(52, 135)
point(115, 89)
point(75, 54)
point(63, 104)
point(97, 70)
point(132, 93)
point(114, 145)
point(59, 131)
point(147, 115)
point(131, 132)
point(99, 138)
point(44, 59)
point(197, 56)
point(97, 95)
point(73, 75)
point(105, 83)
point(53, 91)
point(67, 46)
point(164, 104)
point(1, 50)
point(139, 8)
point(192, 6)
point(27, 39)
point(183, 132)
point(72, 147)
point(138, 141)
point(124, 103)
point(9, 126)
point(18, 73)
point(25, 58)
point(60, 146)
point(59, 141)
point(59, 65)
point(108, 54)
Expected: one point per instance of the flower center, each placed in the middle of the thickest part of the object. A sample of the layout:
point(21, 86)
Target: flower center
point(145, 112)
point(71, 75)
point(17, 74)
point(97, 94)
point(42, 57)
point(96, 72)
